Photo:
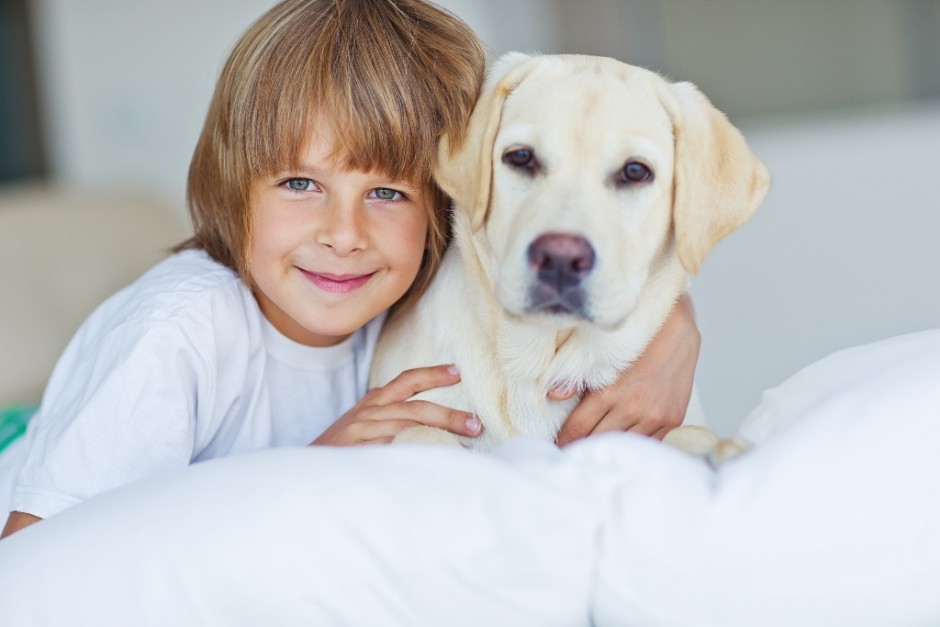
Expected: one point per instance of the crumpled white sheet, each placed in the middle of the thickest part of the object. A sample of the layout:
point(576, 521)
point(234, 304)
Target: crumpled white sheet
point(832, 520)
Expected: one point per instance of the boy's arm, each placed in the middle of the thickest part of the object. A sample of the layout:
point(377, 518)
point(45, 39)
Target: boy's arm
point(17, 521)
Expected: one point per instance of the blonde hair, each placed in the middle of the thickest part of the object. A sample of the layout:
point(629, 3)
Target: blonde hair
point(388, 77)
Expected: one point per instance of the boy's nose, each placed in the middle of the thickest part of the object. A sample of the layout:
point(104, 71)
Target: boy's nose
point(344, 230)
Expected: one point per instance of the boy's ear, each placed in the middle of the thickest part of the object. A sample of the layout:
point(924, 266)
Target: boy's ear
point(718, 183)
point(465, 171)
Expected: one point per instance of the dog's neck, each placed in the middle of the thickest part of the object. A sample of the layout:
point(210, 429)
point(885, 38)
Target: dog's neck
point(562, 336)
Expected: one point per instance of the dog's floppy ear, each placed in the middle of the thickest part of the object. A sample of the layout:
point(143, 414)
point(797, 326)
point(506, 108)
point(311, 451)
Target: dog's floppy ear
point(465, 171)
point(719, 183)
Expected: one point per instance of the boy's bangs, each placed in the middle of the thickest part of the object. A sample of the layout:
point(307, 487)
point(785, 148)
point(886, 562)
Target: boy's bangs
point(355, 74)
point(370, 135)
point(368, 128)
point(279, 126)
point(359, 75)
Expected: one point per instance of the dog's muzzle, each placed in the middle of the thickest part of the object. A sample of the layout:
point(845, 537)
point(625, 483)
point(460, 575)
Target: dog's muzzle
point(560, 262)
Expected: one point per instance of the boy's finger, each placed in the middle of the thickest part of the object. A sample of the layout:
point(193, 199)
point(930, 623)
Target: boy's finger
point(659, 435)
point(583, 419)
point(389, 418)
point(581, 423)
point(419, 413)
point(410, 382)
point(453, 420)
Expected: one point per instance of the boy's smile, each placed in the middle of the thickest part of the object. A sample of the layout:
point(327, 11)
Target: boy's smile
point(339, 284)
point(329, 248)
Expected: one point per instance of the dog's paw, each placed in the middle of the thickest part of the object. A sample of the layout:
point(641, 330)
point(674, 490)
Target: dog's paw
point(692, 439)
point(426, 435)
point(727, 449)
point(704, 444)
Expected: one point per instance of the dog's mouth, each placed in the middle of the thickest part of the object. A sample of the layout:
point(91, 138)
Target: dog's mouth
point(546, 298)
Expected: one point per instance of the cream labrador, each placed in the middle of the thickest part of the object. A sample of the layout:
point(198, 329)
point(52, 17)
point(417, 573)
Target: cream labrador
point(586, 193)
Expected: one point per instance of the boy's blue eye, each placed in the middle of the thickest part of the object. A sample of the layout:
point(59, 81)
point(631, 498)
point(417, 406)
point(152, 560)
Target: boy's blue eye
point(299, 185)
point(384, 193)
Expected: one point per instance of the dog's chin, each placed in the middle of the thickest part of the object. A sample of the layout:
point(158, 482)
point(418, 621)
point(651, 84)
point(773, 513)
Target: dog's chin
point(559, 317)
point(561, 320)
point(558, 312)
point(550, 320)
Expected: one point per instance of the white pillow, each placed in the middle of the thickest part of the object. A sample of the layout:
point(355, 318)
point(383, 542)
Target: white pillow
point(369, 536)
point(830, 522)
point(833, 520)
point(892, 376)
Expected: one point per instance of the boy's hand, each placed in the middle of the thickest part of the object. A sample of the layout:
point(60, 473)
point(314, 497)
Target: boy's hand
point(386, 411)
point(652, 395)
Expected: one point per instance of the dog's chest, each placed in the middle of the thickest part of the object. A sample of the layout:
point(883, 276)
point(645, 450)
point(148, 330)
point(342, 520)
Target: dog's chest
point(510, 410)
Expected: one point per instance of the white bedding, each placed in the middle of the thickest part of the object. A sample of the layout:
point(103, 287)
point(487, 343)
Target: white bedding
point(833, 520)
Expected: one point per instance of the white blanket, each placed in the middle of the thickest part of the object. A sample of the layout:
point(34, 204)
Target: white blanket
point(832, 520)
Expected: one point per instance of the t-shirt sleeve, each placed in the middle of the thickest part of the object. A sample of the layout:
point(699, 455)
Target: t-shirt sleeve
point(120, 406)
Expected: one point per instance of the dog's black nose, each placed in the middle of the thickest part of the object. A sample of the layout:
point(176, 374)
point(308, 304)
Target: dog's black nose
point(560, 263)
point(561, 260)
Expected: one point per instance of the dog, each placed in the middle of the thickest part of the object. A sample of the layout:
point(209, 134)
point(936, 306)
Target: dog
point(586, 193)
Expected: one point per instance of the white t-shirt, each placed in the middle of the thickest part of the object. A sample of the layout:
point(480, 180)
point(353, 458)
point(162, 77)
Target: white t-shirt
point(179, 367)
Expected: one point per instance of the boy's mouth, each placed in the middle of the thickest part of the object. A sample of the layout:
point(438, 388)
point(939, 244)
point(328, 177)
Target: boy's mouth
point(337, 283)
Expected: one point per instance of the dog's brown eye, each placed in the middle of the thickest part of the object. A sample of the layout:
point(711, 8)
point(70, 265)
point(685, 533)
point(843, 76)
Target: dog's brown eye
point(635, 172)
point(520, 158)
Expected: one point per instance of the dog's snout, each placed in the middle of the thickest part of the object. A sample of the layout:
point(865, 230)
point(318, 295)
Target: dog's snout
point(561, 258)
point(560, 262)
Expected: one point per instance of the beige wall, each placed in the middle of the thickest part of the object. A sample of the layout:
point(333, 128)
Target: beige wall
point(779, 57)
point(126, 85)
point(771, 57)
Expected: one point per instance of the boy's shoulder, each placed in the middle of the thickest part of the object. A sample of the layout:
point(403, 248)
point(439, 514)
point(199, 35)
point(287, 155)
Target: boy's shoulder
point(188, 271)
point(187, 284)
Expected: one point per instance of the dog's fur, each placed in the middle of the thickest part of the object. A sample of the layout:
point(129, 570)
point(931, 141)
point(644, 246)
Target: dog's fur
point(562, 269)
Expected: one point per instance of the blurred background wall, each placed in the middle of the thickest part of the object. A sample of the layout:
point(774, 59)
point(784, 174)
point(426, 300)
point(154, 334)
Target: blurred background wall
point(841, 98)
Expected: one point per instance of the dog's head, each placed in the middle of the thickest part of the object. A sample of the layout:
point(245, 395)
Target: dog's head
point(584, 172)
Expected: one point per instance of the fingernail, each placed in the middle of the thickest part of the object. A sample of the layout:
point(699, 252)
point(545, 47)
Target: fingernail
point(474, 425)
point(452, 369)
point(561, 389)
